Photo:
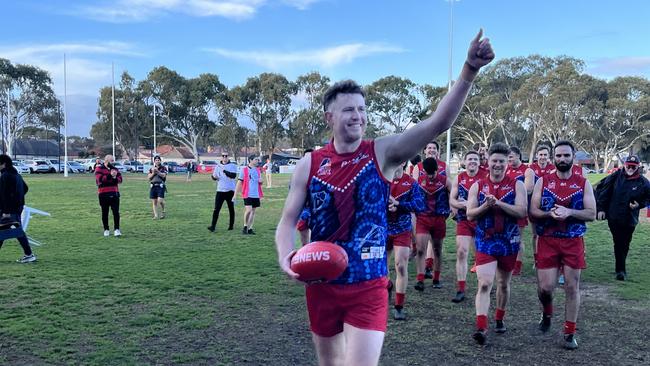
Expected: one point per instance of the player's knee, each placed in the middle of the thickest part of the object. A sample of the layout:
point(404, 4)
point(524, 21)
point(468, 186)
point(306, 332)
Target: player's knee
point(401, 268)
point(484, 286)
point(545, 296)
point(461, 253)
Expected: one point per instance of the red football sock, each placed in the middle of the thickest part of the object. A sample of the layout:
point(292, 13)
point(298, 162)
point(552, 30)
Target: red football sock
point(399, 300)
point(569, 327)
point(481, 322)
point(548, 309)
point(436, 275)
point(461, 286)
point(429, 263)
point(499, 314)
point(420, 277)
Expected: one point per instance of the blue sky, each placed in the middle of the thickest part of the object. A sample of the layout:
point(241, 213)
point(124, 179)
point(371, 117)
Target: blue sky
point(362, 40)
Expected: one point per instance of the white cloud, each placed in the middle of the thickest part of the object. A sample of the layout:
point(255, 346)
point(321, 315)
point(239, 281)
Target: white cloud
point(300, 4)
point(85, 75)
point(621, 66)
point(325, 57)
point(126, 11)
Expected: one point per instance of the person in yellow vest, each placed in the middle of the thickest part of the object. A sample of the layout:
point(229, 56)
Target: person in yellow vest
point(249, 183)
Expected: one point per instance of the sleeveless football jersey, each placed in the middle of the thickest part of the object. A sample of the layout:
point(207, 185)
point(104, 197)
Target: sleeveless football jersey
point(518, 173)
point(442, 168)
point(539, 171)
point(497, 233)
point(564, 192)
point(464, 184)
point(348, 196)
point(411, 199)
point(436, 195)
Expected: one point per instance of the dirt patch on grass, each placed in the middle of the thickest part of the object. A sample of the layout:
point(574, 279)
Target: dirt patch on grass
point(272, 330)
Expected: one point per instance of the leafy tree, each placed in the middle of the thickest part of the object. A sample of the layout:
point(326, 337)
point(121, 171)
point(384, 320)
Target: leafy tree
point(394, 103)
point(26, 99)
point(308, 128)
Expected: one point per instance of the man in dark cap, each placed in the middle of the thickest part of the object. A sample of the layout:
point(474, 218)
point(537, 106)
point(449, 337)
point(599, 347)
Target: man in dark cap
point(619, 197)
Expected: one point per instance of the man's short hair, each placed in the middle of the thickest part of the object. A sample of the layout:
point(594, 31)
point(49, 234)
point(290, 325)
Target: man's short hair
point(430, 165)
point(157, 157)
point(541, 147)
point(515, 150)
point(499, 148)
point(251, 158)
point(472, 152)
point(308, 151)
point(565, 143)
point(416, 159)
point(342, 87)
point(6, 160)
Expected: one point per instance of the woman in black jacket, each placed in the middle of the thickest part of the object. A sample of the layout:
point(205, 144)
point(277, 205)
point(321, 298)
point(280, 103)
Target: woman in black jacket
point(619, 197)
point(12, 200)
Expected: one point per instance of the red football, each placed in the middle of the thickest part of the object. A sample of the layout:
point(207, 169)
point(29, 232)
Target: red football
point(320, 260)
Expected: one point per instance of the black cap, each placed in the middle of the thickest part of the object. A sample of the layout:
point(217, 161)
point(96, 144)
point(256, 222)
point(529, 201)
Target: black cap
point(632, 159)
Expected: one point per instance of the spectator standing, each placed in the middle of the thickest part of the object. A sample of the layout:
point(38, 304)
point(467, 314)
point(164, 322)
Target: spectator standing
point(225, 175)
point(108, 178)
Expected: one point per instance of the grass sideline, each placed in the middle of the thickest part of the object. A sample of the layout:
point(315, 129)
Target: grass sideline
point(96, 300)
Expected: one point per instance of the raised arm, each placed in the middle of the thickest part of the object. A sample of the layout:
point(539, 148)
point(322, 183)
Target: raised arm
point(394, 150)
point(284, 234)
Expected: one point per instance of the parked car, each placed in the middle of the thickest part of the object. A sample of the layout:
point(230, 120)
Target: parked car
point(207, 166)
point(21, 167)
point(132, 166)
point(89, 164)
point(75, 167)
point(174, 167)
point(37, 166)
point(121, 168)
point(55, 166)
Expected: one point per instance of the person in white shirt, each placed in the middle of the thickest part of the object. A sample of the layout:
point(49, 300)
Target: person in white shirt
point(225, 174)
point(268, 169)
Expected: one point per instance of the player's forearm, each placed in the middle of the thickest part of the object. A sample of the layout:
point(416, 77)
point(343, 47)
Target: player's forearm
point(514, 210)
point(284, 238)
point(536, 213)
point(476, 212)
point(586, 214)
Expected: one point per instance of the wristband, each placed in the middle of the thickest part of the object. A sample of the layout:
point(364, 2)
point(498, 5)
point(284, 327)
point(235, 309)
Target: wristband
point(471, 67)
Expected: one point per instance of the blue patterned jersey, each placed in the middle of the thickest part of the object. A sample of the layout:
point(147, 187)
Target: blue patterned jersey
point(347, 197)
point(497, 233)
point(464, 184)
point(436, 194)
point(564, 192)
point(411, 199)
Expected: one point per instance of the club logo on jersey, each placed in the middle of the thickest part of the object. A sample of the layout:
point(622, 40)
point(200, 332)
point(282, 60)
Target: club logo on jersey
point(486, 189)
point(463, 181)
point(574, 186)
point(325, 167)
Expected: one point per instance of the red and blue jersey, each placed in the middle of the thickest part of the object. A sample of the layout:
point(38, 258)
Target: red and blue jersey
point(497, 233)
point(347, 196)
point(539, 171)
point(407, 191)
point(464, 184)
point(442, 168)
point(563, 192)
point(436, 195)
point(518, 173)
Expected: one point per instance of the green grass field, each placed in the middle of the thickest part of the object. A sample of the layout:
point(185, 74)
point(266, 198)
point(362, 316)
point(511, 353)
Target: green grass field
point(170, 292)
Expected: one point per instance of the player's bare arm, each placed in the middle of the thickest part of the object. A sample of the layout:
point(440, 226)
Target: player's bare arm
point(529, 181)
point(536, 200)
point(396, 149)
point(453, 197)
point(284, 235)
point(474, 211)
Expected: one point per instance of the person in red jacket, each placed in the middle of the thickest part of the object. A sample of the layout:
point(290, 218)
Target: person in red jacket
point(107, 178)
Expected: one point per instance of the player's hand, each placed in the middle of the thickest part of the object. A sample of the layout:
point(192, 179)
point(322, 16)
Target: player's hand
point(113, 173)
point(600, 215)
point(285, 265)
point(634, 205)
point(480, 51)
point(490, 200)
point(560, 213)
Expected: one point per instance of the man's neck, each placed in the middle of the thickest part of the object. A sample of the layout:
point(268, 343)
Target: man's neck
point(343, 147)
point(564, 175)
point(472, 174)
point(542, 165)
point(496, 178)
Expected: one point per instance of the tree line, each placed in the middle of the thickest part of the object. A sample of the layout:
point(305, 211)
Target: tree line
point(521, 101)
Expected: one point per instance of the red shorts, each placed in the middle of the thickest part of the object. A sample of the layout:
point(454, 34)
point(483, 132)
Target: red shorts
point(302, 225)
point(504, 263)
point(554, 252)
point(466, 228)
point(399, 240)
point(363, 305)
point(434, 225)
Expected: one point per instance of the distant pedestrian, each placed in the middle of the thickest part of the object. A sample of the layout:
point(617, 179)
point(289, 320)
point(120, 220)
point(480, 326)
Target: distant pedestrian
point(619, 197)
point(12, 200)
point(157, 177)
point(190, 170)
point(249, 184)
point(108, 178)
point(225, 174)
point(268, 169)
